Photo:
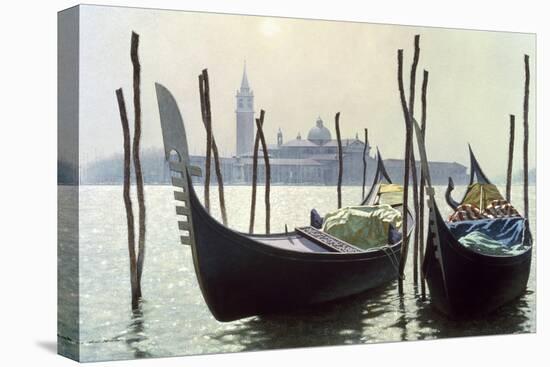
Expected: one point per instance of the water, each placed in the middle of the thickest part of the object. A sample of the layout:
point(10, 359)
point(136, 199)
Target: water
point(174, 320)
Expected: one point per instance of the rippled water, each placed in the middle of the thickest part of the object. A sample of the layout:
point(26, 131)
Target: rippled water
point(174, 320)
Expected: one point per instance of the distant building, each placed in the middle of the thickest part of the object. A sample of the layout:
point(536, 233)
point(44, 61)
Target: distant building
point(310, 161)
point(315, 159)
point(245, 117)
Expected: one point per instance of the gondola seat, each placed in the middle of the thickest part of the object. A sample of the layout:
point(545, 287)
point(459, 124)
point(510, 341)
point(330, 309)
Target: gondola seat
point(365, 227)
point(502, 236)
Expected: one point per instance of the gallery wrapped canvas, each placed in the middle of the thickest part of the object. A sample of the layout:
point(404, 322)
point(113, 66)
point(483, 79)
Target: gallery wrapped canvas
point(232, 183)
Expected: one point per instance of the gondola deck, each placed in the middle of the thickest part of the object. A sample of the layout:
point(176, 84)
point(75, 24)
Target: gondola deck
point(327, 241)
point(296, 242)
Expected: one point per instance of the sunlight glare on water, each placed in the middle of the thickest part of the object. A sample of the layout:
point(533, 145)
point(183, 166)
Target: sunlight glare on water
point(174, 320)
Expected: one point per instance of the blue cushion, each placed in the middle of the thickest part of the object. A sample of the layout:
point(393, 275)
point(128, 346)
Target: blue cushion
point(507, 231)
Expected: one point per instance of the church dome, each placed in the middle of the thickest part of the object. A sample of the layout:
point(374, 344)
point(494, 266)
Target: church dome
point(319, 134)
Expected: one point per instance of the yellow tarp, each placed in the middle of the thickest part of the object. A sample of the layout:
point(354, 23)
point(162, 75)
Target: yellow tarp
point(390, 188)
point(481, 195)
point(363, 226)
point(391, 194)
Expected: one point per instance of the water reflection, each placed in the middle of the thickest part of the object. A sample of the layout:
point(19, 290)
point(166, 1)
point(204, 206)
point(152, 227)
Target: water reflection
point(402, 320)
point(364, 318)
point(136, 337)
point(342, 322)
point(512, 317)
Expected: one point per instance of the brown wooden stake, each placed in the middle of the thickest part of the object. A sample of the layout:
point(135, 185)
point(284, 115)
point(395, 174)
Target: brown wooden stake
point(208, 158)
point(412, 89)
point(408, 138)
point(510, 158)
point(255, 174)
point(340, 159)
point(214, 147)
point(365, 163)
point(267, 172)
point(135, 154)
point(526, 139)
point(128, 200)
point(421, 189)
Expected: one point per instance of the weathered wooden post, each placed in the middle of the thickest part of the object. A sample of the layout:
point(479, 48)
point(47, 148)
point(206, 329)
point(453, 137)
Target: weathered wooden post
point(135, 154)
point(208, 157)
point(127, 200)
point(255, 173)
point(214, 147)
point(365, 163)
point(408, 141)
point(412, 89)
point(526, 139)
point(340, 159)
point(267, 173)
point(510, 158)
point(421, 189)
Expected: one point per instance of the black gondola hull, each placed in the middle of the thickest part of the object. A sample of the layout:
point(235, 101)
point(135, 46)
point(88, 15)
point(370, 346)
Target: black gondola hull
point(472, 283)
point(240, 277)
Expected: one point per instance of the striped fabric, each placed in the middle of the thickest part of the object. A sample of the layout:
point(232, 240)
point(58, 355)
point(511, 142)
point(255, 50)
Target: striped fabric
point(500, 209)
point(466, 212)
point(496, 209)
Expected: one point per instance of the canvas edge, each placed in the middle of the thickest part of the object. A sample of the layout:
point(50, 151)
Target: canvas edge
point(68, 330)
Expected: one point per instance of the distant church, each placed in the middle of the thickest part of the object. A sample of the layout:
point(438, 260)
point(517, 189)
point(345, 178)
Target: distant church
point(245, 117)
point(309, 161)
point(312, 160)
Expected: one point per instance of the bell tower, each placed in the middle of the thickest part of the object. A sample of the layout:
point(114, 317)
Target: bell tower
point(245, 117)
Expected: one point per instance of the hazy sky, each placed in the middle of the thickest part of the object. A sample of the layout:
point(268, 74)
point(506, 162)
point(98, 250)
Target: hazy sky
point(300, 69)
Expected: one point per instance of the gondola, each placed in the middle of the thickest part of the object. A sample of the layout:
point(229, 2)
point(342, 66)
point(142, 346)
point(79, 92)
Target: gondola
point(464, 281)
point(242, 275)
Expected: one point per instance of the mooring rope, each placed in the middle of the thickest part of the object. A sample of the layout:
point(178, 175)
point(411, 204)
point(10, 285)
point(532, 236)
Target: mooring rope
point(393, 258)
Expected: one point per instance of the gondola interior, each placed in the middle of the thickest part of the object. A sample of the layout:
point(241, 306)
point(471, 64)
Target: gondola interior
point(479, 258)
point(484, 221)
point(382, 192)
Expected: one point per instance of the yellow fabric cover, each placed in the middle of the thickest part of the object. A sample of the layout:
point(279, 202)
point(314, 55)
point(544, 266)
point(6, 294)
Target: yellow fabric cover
point(481, 195)
point(390, 188)
point(363, 226)
point(391, 194)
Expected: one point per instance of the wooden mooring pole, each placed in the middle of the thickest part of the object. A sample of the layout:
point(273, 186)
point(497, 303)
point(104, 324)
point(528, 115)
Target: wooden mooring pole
point(510, 158)
point(134, 285)
point(267, 171)
point(421, 188)
point(214, 147)
point(208, 157)
point(408, 141)
point(135, 155)
point(526, 139)
point(412, 89)
point(365, 163)
point(340, 160)
point(255, 174)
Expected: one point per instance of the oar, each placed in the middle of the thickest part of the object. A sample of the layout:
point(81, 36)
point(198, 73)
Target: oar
point(431, 200)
